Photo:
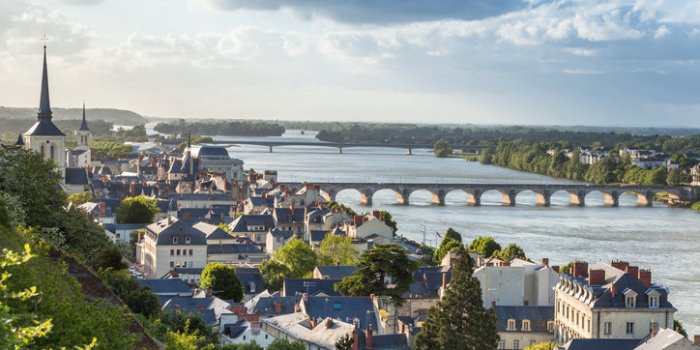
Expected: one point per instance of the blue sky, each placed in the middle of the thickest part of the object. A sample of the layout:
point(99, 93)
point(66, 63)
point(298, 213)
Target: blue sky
point(568, 62)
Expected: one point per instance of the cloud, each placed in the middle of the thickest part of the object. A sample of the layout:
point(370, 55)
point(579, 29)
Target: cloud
point(81, 2)
point(378, 12)
point(662, 32)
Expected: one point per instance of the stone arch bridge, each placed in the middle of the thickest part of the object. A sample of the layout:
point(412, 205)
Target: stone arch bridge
point(509, 192)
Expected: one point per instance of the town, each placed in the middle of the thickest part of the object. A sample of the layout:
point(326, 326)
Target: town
point(258, 261)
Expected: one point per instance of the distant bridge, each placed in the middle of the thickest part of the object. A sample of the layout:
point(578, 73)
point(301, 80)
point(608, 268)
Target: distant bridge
point(543, 192)
point(341, 145)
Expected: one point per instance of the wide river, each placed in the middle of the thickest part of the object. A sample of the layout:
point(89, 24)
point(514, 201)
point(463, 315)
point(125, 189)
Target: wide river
point(659, 238)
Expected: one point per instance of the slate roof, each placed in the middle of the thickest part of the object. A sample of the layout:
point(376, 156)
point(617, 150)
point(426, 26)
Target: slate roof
point(285, 215)
point(20, 140)
point(318, 235)
point(242, 222)
point(665, 339)
point(266, 306)
point(209, 308)
point(211, 151)
point(211, 231)
point(336, 272)
point(250, 277)
point(537, 315)
point(602, 344)
point(284, 234)
point(167, 286)
point(44, 127)
point(165, 232)
point(387, 342)
point(345, 309)
point(236, 329)
point(311, 286)
point(233, 249)
point(205, 196)
point(77, 176)
point(427, 281)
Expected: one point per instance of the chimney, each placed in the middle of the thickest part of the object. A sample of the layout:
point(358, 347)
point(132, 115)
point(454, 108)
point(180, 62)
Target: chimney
point(596, 277)
point(644, 276)
point(613, 290)
point(620, 265)
point(696, 340)
point(132, 189)
point(555, 268)
point(305, 296)
point(369, 343)
point(278, 307)
point(544, 262)
point(424, 279)
point(580, 269)
point(337, 263)
point(356, 339)
point(504, 263)
point(329, 322)
point(444, 280)
point(314, 323)
point(101, 209)
point(376, 214)
point(633, 271)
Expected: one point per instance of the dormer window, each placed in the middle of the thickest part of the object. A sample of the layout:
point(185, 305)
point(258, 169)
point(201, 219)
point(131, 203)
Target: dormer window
point(511, 325)
point(630, 299)
point(526, 326)
point(188, 240)
point(174, 239)
point(654, 299)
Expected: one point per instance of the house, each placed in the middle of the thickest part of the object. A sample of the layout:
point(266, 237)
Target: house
point(310, 286)
point(245, 331)
point(254, 227)
point(609, 301)
point(235, 253)
point(275, 239)
point(267, 305)
point(289, 219)
point(516, 283)
point(522, 326)
point(346, 309)
point(333, 272)
point(370, 227)
point(251, 280)
point(166, 289)
point(122, 232)
point(214, 311)
point(171, 243)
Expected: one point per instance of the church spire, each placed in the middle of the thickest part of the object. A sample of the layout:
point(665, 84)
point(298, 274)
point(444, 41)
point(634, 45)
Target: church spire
point(44, 104)
point(83, 124)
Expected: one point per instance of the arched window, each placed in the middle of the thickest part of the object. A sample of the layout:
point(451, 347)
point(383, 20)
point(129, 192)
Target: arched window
point(43, 152)
point(510, 325)
point(526, 325)
point(53, 153)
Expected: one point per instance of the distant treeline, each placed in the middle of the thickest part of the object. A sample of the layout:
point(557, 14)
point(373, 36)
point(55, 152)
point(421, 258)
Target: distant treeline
point(111, 115)
point(223, 128)
point(534, 158)
point(408, 133)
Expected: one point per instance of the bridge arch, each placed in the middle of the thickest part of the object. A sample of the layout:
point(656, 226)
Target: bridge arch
point(438, 197)
point(364, 194)
point(507, 195)
point(451, 195)
point(541, 197)
point(644, 198)
point(400, 198)
point(610, 198)
point(574, 198)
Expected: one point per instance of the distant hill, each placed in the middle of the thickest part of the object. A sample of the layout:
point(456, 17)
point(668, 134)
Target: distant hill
point(110, 115)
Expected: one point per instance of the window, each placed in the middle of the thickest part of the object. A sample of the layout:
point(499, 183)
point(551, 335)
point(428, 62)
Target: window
point(188, 240)
point(526, 325)
point(190, 252)
point(630, 301)
point(53, 153)
point(177, 252)
point(172, 252)
point(653, 302)
point(172, 264)
point(550, 326)
point(516, 344)
point(607, 328)
point(174, 239)
point(630, 328)
point(511, 325)
point(502, 344)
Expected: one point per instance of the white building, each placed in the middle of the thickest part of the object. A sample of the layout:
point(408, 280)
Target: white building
point(171, 243)
point(517, 283)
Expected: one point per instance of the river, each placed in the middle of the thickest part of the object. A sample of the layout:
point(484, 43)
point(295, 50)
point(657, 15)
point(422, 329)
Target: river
point(658, 238)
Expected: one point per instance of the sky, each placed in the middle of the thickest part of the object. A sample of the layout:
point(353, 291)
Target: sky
point(564, 62)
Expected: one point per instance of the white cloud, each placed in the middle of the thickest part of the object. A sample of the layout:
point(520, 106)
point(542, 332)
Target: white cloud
point(662, 32)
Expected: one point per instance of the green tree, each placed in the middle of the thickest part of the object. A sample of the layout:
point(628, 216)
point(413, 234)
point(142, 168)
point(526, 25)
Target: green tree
point(345, 342)
point(567, 268)
point(274, 273)
point(110, 257)
point(543, 346)
point(512, 251)
point(453, 235)
point(81, 197)
point(284, 344)
point(183, 322)
point(447, 245)
point(459, 320)
point(138, 298)
point(222, 281)
point(678, 326)
point(247, 346)
point(376, 264)
point(486, 156)
point(137, 210)
point(485, 246)
point(185, 340)
point(337, 249)
point(389, 220)
point(298, 256)
point(677, 177)
point(442, 149)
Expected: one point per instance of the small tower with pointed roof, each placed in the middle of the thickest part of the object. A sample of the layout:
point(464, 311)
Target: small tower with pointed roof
point(44, 136)
point(83, 133)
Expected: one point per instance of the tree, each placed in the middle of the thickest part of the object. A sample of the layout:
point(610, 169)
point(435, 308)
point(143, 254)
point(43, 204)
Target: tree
point(274, 273)
point(442, 149)
point(138, 298)
point(388, 220)
point(376, 264)
point(567, 268)
point(459, 320)
point(543, 346)
point(247, 346)
point(453, 235)
point(337, 249)
point(110, 257)
point(512, 251)
point(447, 245)
point(486, 156)
point(298, 256)
point(345, 342)
point(81, 197)
point(184, 340)
point(678, 326)
point(284, 344)
point(485, 246)
point(137, 210)
point(222, 281)
point(677, 177)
